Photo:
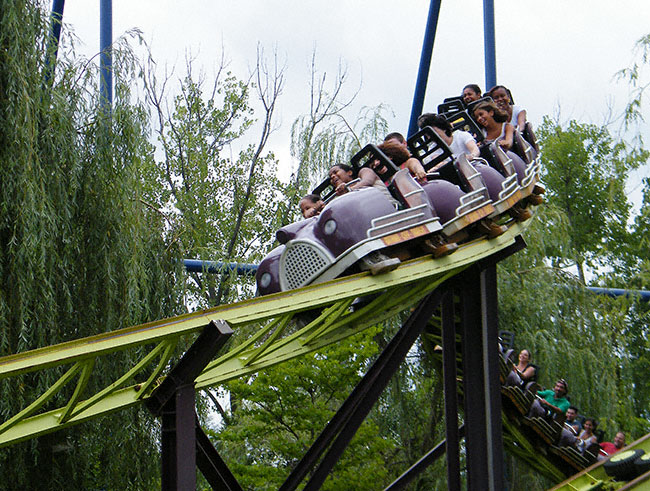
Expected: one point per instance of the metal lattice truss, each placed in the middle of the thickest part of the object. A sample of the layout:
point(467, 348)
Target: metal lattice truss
point(289, 324)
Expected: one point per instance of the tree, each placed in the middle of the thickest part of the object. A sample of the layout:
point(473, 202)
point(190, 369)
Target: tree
point(585, 171)
point(636, 76)
point(81, 254)
point(221, 208)
point(283, 409)
point(587, 339)
point(326, 135)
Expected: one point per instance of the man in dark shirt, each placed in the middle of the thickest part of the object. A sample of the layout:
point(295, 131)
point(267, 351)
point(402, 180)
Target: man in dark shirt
point(571, 419)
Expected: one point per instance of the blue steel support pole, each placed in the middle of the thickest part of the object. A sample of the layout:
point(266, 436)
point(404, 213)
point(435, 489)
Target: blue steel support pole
point(216, 267)
point(56, 18)
point(643, 295)
point(106, 56)
point(490, 44)
point(425, 64)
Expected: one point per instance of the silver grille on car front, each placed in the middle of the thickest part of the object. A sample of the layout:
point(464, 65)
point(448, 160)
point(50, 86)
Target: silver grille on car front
point(301, 262)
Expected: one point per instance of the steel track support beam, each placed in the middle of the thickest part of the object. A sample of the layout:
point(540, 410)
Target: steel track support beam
point(425, 65)
point(178, 453)
point(420, 466)
point(211, 465)
point(483, 441)
point(183, 442)
point(490, 44)
point(344, 424)
point(452, 435)
point(478, 326)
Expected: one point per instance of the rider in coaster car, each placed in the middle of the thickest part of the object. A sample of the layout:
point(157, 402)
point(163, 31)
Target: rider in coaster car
point(471, 93)
point(342, 175)
point(502, 97)
point(311, 205)
point(399, 154)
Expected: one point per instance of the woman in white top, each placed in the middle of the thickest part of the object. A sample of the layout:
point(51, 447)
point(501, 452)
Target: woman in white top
point(497, 129)
point(502, 97)
point(459, 142)
point(495, 124)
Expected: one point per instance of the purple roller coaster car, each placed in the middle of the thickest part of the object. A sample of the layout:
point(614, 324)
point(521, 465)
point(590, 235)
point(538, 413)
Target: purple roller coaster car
point(356, 225)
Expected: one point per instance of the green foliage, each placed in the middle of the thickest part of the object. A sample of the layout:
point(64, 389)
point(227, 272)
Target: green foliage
point(281, 411)
point(585, 171)
point(637, 254)
point(636, 76)
point(80, 253)
point(598, 344)
point(222, 208)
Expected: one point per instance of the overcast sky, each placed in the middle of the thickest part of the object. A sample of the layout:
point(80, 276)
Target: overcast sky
point(552, 53)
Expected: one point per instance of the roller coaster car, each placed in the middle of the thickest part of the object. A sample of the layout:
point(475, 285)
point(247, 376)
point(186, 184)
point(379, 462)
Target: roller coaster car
point(472, 177)
point(349, 228)
point(524, 147)
point(522, 160)
point(461, 120)
point(451, 104)
point(459, 203)
point(360, 223)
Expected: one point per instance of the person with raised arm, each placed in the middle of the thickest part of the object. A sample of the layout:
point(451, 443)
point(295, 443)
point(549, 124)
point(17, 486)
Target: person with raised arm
point(342, 175)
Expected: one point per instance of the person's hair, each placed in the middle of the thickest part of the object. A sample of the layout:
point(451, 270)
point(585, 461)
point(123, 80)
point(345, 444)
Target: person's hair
point(395, 136)
point(314, 198)
point(395, 151)
point(424, 118)
point(496, 87)
point(499, 115)
point(345, 167)
point(574, 408)
point(437, 121)
point(475, 88)
point(593, 422)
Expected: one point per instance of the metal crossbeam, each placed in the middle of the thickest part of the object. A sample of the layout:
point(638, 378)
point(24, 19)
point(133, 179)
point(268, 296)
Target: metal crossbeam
point(427, 459)
point(344, 424)
point(174, 401)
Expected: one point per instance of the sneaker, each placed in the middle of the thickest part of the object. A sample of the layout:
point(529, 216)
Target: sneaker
point(378, 263)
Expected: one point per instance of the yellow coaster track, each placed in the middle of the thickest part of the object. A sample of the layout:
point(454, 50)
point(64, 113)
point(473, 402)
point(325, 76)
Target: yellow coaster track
point(277, 339)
